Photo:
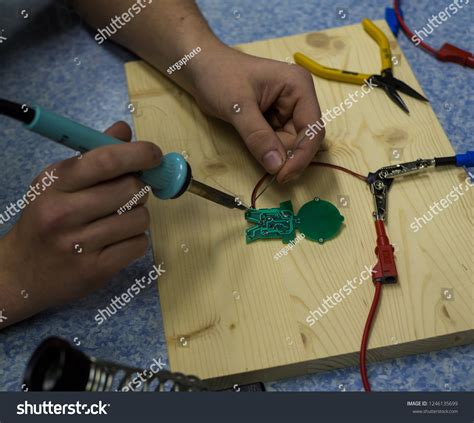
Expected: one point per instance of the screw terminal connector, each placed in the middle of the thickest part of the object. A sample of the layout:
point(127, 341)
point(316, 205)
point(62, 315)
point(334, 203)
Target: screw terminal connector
point(385, 271)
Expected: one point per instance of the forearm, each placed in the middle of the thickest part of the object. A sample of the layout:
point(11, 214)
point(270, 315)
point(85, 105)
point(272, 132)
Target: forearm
point(161, 33)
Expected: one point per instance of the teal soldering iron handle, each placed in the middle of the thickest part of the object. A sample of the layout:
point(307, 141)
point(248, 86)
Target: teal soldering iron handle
point(168, 180)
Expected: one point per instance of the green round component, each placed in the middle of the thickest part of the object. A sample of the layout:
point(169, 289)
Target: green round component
point(319, 220)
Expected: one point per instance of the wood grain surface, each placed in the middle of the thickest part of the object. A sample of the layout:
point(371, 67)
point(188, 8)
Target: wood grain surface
point(234, 314)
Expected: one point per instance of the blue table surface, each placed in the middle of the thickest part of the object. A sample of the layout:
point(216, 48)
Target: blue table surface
point(51, 58)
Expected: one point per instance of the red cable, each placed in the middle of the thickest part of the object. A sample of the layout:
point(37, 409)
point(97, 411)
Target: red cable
point(254, 192)
point(365, 336)
point(343, 169)
point(378, 285)
point(406, 30)
point(446, 53)
point(333, 166)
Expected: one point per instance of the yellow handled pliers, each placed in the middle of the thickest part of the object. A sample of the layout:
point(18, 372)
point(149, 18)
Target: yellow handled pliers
point(384, 80)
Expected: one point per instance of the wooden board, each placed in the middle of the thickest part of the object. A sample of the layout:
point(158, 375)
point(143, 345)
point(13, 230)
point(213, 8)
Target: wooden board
point(232, 313)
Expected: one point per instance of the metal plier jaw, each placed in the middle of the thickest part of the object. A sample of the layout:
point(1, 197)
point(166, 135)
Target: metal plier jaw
point(381, 180)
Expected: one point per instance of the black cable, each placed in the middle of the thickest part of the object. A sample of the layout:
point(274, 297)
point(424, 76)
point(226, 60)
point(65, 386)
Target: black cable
point(16, 111)
point(445, 161)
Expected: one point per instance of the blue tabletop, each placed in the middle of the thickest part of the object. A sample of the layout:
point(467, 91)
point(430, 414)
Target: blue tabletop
point(50, 58)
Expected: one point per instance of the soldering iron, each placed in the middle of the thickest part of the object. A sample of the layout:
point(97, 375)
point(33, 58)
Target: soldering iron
point(170, 179)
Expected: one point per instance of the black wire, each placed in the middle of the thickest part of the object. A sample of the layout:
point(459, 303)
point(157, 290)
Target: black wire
point(445, 161)
point(15, 111)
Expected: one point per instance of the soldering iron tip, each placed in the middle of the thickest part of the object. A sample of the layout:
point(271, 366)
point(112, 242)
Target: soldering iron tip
point(242, 206)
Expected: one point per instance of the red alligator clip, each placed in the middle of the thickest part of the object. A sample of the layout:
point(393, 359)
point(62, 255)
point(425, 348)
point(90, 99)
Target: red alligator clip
point(385, 271)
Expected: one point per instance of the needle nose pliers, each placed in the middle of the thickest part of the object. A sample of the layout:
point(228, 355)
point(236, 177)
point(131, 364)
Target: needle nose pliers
point(384, 80)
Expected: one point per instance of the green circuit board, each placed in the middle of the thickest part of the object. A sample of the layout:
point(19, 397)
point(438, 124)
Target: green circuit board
point(319, 220)
point(271, 223)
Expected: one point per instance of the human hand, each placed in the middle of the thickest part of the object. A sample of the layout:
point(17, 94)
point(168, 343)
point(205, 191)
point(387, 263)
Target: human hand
point(276, 100)
point(71, 240)
point(270, 103)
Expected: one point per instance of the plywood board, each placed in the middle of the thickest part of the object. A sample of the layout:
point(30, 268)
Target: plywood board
point(234, 314)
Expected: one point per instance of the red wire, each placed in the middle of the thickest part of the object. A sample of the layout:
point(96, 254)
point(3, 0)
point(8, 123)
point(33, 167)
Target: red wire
point(365, 336)
point(378, 285)
point(406, 30)
point(254, 192)
point(343, 169)
point(333, 166)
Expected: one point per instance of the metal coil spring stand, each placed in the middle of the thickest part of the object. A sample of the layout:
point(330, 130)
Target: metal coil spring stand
point(104, 376)
point(58, 366)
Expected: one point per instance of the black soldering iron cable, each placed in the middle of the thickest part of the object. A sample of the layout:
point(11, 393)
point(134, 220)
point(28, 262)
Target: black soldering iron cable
point(16, 111)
